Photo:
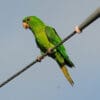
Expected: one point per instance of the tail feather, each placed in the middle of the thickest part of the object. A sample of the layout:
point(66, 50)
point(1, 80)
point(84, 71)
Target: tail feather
point(67, 75)
point(69, 63)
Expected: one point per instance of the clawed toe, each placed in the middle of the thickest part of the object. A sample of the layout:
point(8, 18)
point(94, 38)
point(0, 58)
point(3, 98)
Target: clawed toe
point(50, 51)
point(39, 58)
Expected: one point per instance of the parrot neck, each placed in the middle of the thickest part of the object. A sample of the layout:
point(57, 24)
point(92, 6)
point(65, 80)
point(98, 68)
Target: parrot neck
point(37, 29)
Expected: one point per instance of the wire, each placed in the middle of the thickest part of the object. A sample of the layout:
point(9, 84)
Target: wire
point(32, 63)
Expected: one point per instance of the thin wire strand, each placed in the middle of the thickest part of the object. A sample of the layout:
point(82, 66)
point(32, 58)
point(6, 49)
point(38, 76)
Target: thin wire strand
point(34, 62)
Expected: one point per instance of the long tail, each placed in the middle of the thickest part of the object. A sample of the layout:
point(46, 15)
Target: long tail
point(67, 75)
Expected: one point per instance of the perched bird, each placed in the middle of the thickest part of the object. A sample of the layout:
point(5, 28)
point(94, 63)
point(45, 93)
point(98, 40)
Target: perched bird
point(46, 38)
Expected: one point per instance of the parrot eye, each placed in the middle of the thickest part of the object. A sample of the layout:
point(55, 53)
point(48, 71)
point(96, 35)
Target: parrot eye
point(28, 19)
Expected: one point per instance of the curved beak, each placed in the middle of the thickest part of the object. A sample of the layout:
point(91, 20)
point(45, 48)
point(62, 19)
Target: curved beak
point(25, 25)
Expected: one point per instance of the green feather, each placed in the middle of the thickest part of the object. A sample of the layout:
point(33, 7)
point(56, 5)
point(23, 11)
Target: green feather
point(55, 39)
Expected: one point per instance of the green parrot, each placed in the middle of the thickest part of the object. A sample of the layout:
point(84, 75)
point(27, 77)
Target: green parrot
point(46, 38)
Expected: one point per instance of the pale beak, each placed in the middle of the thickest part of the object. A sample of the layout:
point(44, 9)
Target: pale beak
point(25, 25)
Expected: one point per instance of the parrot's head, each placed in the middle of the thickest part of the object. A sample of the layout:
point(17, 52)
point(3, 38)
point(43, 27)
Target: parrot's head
point(31, 22)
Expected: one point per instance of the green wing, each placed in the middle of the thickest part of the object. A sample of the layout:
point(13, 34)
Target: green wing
point(55, 39)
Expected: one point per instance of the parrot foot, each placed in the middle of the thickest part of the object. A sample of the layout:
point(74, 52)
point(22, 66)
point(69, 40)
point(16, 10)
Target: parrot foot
point(50, 51)
point(39, 58)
